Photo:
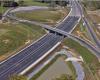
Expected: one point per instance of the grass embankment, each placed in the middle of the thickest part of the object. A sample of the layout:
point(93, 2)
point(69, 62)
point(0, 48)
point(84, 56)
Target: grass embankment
point(82, 32)
point(90, 61)
point(79, 28)
point(84, 52)
point(44, 68)
point(94, 17)
point(44, 16)
point(72, 68)
point(92, 4)
point(50, 64)
point(14, 36)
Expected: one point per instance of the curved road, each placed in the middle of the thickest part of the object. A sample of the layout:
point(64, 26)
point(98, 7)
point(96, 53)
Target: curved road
point(79, 69)
point(31, 54)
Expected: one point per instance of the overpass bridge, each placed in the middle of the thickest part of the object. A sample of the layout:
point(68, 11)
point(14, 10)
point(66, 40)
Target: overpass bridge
point(35, 51)
point(64, 28)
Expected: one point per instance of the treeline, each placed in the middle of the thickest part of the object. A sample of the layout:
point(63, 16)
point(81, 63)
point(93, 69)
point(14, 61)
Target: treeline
point(57, 2)
point(8, 4)
point(13, 3)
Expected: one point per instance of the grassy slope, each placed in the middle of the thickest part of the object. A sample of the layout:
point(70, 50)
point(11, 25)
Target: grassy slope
point(92, 5)
point(46, 16)
point(14, 36)
point(84, 52)
point(50, 64)
point(82, 32)
point(92, 65)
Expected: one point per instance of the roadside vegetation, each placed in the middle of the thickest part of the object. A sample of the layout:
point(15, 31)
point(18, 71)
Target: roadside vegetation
point(44, 16)
point(17, 77)
point(91, 63)
point(16, 36)
point(64, 77)
point(82, 32)
point(72, 76)
point(93, 17)
point(84, 52)
point(92, 5)
point(44, 68)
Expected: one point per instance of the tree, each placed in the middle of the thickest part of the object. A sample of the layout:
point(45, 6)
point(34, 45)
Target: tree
point(21, 2)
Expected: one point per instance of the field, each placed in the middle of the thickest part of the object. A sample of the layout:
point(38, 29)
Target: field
point(54, 69)
point(95, 18)
point(16, 36)
point(87, 55)
point(44, 16)
point(82, 32)
point(91, 63)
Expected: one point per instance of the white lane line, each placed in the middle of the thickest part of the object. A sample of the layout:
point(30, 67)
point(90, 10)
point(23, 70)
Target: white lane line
point(64, 19)
point(75, 25)
point(36, 62)
point(21, 60)
point(22, 49)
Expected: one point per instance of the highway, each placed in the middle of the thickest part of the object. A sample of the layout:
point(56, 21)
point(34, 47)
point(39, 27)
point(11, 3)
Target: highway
point(78, 67)
point(89, 27)
point(93, 34)
point(28, 56)
point(31, 54)
point(25, 58)
point(95, 50)
point(66, 25)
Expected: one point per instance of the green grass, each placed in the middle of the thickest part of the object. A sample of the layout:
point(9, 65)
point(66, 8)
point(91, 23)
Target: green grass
point(3, 9)
point(84, 32)
point(13, 36)
point(90, 60)
point(92, 5)
point(72, 69)
point(46, 16)
point(50, 64)
point(45, 68)
point(84, 52)
point(80, 28)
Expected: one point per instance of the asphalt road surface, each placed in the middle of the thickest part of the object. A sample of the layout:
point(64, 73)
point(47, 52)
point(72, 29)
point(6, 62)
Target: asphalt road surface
point(25, 58)
point(28, 56)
